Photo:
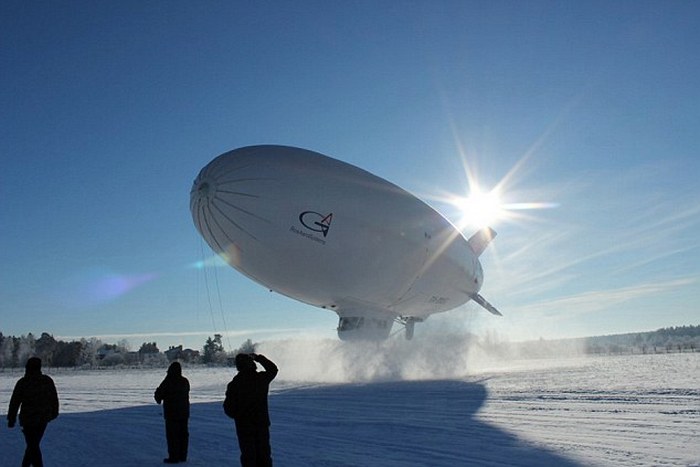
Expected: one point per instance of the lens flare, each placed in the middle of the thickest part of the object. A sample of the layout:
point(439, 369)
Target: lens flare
point(97, 286)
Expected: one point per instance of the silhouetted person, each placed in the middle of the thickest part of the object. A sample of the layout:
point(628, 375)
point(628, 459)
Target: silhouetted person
point(174, 393)
point(36, 398)
point(246, 403)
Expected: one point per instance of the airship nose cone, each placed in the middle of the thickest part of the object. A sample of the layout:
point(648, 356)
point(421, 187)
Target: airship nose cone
point(204, 186)
point(224, 201)
point(203, 201)
point(203, 189)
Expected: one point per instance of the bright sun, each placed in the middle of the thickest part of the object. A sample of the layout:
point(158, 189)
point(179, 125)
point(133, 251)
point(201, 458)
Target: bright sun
point(490, 208)
point(480, 209)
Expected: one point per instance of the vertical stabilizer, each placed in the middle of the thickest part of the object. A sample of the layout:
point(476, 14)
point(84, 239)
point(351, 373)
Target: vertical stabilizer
point(480, 240)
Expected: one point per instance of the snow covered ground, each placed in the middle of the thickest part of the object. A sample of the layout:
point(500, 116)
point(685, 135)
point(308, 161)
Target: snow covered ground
point(337, 407)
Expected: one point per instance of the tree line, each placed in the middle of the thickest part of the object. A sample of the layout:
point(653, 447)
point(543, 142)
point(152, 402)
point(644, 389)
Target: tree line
point(92, 352)
point(664, 340)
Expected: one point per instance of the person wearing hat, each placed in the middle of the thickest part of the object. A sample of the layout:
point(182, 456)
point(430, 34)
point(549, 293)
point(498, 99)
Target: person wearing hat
point(246, 403)
point(36, 399)
point(174, 393)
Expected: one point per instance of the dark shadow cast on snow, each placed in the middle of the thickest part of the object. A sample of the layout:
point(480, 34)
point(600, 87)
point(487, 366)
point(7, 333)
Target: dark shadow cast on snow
point(133, 436)
point(413, 423)
point(376, 424)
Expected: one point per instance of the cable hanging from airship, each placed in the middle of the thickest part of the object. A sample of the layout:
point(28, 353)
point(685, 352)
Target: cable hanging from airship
point(218, 294)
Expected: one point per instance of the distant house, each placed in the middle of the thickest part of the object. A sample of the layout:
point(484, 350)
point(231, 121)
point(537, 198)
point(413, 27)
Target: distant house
point(173, 353)
point(189, 355)
point(185, 355)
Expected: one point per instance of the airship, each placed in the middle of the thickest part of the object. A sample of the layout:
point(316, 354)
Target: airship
point(334, 236)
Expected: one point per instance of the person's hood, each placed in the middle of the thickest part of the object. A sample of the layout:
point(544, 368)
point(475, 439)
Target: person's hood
point(33, 366)
point(175, 370)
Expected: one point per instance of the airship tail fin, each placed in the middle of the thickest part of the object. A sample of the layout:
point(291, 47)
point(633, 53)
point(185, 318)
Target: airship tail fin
point(480, 240)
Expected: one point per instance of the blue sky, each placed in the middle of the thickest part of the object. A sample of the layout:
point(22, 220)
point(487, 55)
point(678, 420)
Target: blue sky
point(110, 109)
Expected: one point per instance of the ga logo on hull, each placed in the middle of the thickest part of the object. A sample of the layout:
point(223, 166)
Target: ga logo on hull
point(316, 222)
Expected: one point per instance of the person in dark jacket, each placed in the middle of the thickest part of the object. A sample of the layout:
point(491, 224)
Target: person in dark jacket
point(246, 403)
point(174, 393)
point(36, 394)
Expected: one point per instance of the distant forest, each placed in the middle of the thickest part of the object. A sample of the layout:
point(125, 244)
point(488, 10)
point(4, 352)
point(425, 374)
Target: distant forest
point(665, 340)
point(674, 339)
point(92, 352)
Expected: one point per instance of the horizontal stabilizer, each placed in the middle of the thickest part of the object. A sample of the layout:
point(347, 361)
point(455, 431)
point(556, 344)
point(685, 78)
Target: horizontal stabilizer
point(480, 240)
point(482, 301)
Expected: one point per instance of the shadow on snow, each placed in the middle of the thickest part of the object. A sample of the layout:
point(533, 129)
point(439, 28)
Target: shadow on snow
point(386, 424)
point(395, 424)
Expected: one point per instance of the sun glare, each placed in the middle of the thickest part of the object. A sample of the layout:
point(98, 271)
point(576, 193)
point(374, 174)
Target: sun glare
point(480, 209)
point(474, 208)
